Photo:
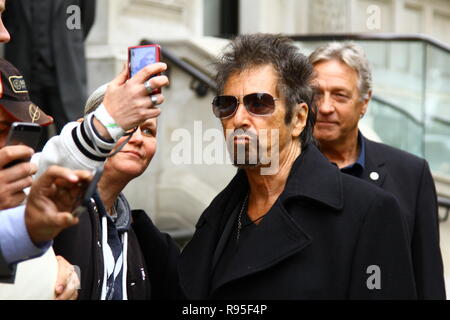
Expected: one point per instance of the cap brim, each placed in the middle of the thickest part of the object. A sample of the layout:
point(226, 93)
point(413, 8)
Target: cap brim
point(26, 111)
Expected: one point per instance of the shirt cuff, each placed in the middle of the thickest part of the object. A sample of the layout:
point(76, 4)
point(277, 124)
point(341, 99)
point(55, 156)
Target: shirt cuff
point(15, 242)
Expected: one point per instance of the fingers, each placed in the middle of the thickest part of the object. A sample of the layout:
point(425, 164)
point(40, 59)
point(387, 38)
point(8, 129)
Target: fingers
point(19, 171)
point(64, 220)
point(12, 200)
point(155, 82)
point(11, 153)
point(145, 73)
point(55, 172)
point(19, 185)
point(67, 282)
point(148, 104)
point(83, 175)
point(12, 183)
point(121, 78)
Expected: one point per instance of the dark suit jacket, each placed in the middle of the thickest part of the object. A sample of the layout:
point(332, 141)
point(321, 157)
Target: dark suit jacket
point(67, 48)
point(409, 179)
point(326, 229)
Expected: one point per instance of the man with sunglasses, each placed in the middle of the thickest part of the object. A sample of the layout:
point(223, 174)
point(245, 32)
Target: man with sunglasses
point(302, 230)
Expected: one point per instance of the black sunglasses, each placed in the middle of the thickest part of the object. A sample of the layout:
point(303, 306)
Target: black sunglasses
point(259, 104)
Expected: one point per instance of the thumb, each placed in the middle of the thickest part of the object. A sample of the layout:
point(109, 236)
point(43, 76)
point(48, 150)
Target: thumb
point(64, 220)
point(122, 77)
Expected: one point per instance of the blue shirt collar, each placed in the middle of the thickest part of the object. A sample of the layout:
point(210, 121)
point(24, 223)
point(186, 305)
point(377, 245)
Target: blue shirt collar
point(360, 162)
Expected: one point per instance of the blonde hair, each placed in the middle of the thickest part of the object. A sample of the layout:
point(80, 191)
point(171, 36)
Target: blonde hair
point(95, 99)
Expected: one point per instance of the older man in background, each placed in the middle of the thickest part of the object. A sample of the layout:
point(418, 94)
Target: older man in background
point(344, 83)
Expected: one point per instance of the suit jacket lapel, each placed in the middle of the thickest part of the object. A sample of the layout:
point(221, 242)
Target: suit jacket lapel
point(374, 169)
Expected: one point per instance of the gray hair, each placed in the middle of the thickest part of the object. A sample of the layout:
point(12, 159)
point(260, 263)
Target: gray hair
point(353, 56)
point(95, 99)
point(295, 73)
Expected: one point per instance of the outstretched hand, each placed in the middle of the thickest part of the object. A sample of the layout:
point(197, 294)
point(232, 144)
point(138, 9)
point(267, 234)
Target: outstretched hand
point(51, 201)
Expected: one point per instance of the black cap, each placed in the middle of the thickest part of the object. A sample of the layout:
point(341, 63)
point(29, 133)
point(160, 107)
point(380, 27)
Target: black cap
point(14, 98)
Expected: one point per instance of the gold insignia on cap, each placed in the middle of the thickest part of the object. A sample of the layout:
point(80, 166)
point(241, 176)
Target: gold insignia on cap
point(34, 112)
point(18, 84)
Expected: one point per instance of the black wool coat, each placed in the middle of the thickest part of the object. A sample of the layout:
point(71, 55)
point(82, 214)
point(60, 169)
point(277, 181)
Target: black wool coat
point(323, 239)
point(409, 179)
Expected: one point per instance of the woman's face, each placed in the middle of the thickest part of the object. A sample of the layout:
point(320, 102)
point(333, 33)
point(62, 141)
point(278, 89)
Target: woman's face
point(136, 155)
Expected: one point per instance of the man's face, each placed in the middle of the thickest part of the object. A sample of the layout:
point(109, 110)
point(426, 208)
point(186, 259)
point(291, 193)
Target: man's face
point(266, 135)
point(4, 34)
point(338, 103)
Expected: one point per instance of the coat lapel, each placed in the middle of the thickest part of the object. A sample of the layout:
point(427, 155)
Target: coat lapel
point(374, 168)
point(200, 254)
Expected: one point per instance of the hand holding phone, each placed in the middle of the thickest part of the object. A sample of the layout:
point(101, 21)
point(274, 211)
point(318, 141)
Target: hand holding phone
point(141, 56)
point(23, 133)
point(87, 193)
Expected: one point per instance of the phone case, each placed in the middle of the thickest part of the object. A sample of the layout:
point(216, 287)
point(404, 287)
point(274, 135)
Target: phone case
point(157, 59)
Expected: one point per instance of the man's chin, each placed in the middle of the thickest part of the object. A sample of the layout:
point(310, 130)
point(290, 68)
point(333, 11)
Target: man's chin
point(325, 136)
point(247, 165)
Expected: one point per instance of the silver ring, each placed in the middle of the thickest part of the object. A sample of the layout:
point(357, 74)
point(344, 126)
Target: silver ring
point(148, 87)
point(154, 99)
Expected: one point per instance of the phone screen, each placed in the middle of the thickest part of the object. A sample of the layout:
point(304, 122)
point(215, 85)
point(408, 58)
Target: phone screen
point(141, 57)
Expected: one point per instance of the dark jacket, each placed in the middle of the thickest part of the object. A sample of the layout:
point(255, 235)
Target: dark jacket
point(409, 179)
point(67, 48)
point(325, 232)
point(151, 259)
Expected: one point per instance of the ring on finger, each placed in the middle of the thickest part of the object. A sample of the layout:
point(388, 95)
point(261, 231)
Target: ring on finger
point(148, 86)
point(154, 100)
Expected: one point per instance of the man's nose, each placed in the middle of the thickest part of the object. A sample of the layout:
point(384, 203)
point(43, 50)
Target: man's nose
point(325, 104)
point(241, 117)
point(4, 34)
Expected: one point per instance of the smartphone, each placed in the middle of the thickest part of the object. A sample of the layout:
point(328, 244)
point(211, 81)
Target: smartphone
point(25, 133)
point(141, 56)
point(85, 196)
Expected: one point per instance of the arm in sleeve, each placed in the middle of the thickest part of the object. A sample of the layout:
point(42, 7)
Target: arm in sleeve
point(73, 148)
point(15, 242)
point(382, 265)
point(426, 253)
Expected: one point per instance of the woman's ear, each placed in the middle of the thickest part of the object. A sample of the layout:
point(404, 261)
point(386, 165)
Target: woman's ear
point(300, 114)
